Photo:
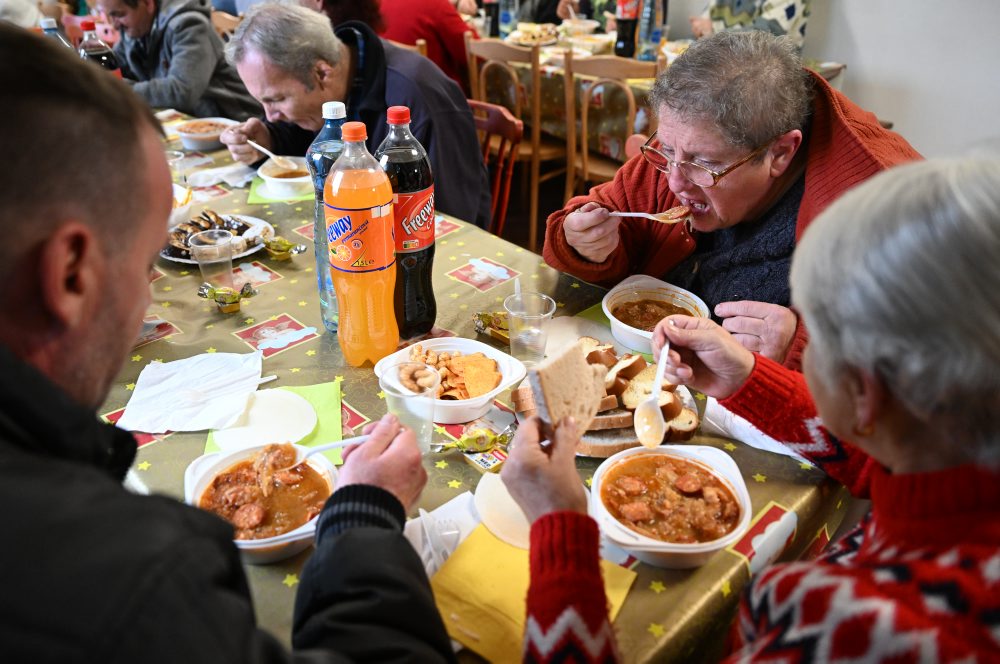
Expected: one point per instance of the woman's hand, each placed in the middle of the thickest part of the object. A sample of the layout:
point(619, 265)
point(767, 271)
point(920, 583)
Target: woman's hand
point(703, 355)
point(592, 232)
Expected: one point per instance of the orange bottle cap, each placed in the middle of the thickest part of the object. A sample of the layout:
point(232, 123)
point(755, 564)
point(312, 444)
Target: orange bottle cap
point(354, 131)
point(398, 115)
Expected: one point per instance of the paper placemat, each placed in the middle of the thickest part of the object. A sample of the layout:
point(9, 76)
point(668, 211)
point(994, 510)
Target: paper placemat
point(325, 399)
point(259, 194)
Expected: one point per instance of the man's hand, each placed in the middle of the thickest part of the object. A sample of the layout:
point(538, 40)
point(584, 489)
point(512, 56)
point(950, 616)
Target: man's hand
point(235, 138)
point(389, 459)
point(562, 11)
point(763, 328)
point(701, 26)
point(466, 7)
point(544, 480)
point(592, 232)
point(702, 355)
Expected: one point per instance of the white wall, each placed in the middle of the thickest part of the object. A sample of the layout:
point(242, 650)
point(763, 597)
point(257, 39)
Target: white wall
point(932, 68)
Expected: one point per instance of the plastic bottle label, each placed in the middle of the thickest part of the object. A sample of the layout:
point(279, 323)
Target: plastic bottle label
point(355, 241)
point(414, 213)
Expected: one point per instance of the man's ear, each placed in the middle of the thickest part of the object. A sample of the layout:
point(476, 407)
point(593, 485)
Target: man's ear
point(326, 74)
point(783, 150)
point(69, 273)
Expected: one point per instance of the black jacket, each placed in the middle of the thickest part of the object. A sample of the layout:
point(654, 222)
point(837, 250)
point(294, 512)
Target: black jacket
point(440, 119)
point(92, 573)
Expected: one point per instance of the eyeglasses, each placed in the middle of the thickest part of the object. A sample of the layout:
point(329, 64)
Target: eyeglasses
point(696, 173)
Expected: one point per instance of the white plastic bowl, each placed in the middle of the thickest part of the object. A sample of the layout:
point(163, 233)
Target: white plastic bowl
point(456, 412)
point(579, 26)
point(197, 135)
point(182, 206)
point(203, 470)
point(642, 287)
point(665, 554)
point(285, 187)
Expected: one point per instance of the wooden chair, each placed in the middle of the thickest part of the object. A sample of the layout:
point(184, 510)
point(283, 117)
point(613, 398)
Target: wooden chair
point(497, 57)
point(420, 47)
point(224, 23)
point(500, 130)
point(608, 71)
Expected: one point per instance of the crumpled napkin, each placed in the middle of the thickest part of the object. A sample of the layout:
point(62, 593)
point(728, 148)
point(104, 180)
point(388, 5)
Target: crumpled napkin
point(435, 535)
point(720, 421)
point(207, 391)
point(235, 175)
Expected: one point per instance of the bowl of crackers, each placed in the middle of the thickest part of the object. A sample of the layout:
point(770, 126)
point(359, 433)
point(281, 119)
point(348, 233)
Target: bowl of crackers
point(472, 375)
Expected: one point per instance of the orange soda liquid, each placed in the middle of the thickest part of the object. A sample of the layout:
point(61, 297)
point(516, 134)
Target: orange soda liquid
point(359, 223)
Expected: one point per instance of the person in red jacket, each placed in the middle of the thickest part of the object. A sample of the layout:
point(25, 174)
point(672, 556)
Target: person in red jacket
point(756, 146)
point(903, 357)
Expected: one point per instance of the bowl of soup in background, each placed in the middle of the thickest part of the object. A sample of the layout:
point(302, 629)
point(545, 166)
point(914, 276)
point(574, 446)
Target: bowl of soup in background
point(640, 292)
point(203, 133)
point(708, 461)
point(284, 182)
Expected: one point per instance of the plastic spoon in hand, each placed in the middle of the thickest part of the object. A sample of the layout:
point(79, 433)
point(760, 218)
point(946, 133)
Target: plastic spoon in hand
point(667, 217)
point(280, 162)
point(650, 426)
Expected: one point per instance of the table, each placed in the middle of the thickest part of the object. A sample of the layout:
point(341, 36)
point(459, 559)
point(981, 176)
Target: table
point(668, 616)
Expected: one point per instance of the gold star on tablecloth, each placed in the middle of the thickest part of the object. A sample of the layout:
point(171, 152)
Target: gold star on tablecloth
point(727, 589)
point(381, 395)
point(499, 299)
point(295, 369)
point(463, 307)
point(274, 317)
point(451, 258)
point(130, 387)
point(298, 209)
point(589, 481)
point(655, 629)
point(166, 305)
point(729, 446)
point(282, 298)
point(249, 321)
point(206, 309)
point(167, 289)
point(136, 358)
point(269, 213)
point(760, 478)
point(294, 281)
point(805, 465)
point(839, 504)
point(210, 326)
point(310, 353)
point(291, 580)
point(699, 396)
point(158, 360)
point(560, 304)
point(454, 484)
point(441, 464)
point(338, 379)
point(534, 276)
point(184, 273)
point(210, 349)
point(500, 253)
point(143, 465)
point(576, 284)
point(302, 303)
point(442, 241)
point(519, 251)
point(461, 244)
point(657, 587)
point(453, 295)
point(441, 430)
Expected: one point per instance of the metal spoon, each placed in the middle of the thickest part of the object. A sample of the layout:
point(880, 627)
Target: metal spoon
point(650, 426)
point(280, 162)
point(662, 217)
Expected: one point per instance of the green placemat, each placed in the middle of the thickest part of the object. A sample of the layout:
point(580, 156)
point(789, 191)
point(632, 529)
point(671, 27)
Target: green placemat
point(596, 314)
point(325, 400)
point(257, 195)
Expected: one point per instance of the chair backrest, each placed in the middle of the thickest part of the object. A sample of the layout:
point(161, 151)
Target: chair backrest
point(492, 121)
point(419, 47)
point(224, 23)
point(497, 56)
point(608, 71)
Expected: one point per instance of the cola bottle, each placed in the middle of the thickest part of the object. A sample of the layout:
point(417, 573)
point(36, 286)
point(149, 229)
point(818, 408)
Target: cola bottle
point(405, 161)
point(94, 49)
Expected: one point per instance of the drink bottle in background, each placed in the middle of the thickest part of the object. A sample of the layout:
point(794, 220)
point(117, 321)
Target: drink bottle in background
point(358, 201)
point(651, 29)
point(508, 17)
point(95, 50)
point(324, 151)
point(405, 161)
point(51, 30)
point(491, 9)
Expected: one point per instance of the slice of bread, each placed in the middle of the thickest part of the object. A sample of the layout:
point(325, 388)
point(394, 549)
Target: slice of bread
point(524, 400)
point(641, 386)
point(617, 379)
point(564, 385)
point(683, 426)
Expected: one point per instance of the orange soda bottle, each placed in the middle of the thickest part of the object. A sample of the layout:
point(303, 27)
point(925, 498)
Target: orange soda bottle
point(359, 234)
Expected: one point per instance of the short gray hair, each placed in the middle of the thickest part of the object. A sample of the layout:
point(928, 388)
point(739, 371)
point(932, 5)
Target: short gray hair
point(750, 85)
point(899, 278)
point(293, 38)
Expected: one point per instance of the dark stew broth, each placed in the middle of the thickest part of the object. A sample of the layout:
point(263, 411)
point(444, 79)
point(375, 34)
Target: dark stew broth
point(645, 314)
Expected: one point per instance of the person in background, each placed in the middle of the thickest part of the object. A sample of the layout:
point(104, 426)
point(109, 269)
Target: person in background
point(602, 11)
point(90, 571)
point(903, 364)
point(292, 61)
point(172, 57)
point(756, 146)
point(787, 17)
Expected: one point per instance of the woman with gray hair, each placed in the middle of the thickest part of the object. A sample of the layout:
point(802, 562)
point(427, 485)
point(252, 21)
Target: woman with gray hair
point(898, 284)
point(756, 147)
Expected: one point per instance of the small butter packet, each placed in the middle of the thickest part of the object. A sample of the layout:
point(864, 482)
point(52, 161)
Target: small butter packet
point(493, 323)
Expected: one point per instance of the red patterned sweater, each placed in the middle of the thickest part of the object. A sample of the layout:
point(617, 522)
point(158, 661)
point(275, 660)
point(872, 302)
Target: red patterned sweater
point(846, 146)
point(917, 581)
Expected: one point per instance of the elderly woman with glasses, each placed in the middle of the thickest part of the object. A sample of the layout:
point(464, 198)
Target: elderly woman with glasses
point(899, 285)
point(756, 146)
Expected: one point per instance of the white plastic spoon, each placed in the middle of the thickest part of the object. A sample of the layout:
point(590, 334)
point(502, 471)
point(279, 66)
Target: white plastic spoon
point(650, 426)
point(280, 162)
point(662, 217)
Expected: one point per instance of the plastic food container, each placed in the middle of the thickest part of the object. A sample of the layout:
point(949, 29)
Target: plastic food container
point(579, 26)
point(456, 412)
point(203, 470)
point(203, 133)
point(182, 206)
point(279, 185)
point(641, 287)
point(665, 554)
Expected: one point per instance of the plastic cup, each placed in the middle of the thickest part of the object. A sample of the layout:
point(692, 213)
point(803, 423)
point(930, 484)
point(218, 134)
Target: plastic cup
point(414, 408)
point(174, 158)
point(213, 250)
point(528, 314)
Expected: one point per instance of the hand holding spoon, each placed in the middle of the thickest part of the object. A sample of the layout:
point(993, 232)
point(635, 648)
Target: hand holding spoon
point(280, 162)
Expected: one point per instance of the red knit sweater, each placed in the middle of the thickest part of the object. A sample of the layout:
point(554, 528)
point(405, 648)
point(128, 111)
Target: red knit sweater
point(846, 146)
point(917, 581)
point(436, 21)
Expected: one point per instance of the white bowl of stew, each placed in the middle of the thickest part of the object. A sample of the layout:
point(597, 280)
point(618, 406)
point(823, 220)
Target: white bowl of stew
point(285, 182)
point(638, 303)
point(674, 506)
point(269, 528)
point(203, 133)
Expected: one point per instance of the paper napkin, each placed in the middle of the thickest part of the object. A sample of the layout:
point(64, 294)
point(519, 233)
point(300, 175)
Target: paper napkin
point(260, 194)
point(235, 175)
